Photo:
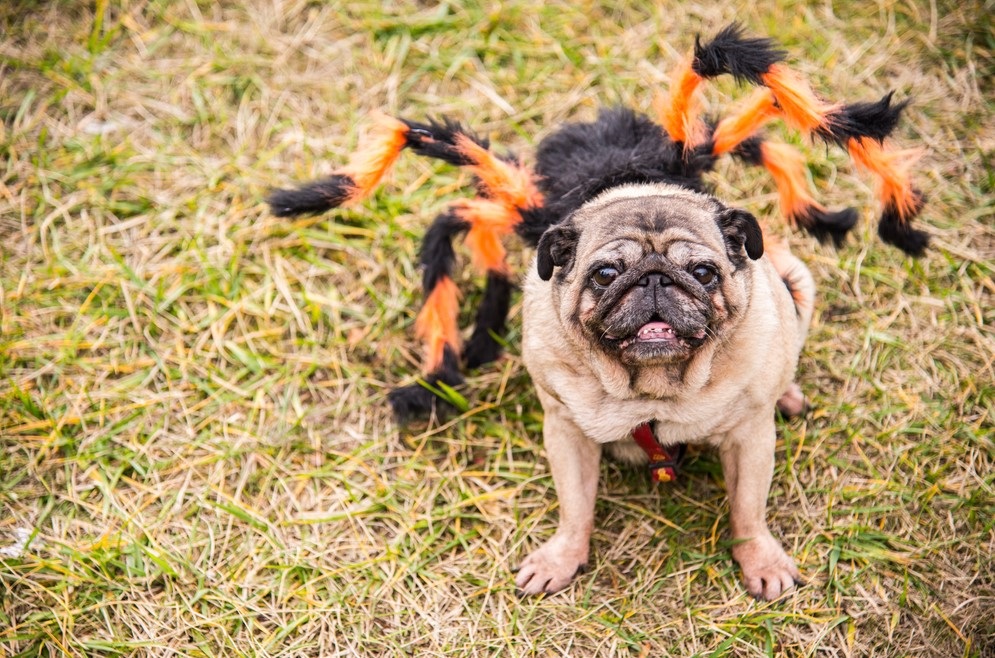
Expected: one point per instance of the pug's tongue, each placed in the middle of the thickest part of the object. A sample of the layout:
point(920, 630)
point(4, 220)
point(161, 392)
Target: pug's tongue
point(655, 331)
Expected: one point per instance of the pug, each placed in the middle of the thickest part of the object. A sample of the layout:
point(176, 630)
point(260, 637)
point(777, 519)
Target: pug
point(656, 304)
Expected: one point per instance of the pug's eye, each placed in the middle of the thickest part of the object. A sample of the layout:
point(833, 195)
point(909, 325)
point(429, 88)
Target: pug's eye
point(704, 274)
point(604, 276)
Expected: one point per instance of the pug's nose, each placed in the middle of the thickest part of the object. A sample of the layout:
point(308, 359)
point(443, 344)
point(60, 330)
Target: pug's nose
point(654, 278)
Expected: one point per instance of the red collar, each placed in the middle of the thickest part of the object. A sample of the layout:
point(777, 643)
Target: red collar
point(663, 460)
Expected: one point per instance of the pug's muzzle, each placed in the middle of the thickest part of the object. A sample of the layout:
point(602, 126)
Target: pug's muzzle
point(652, 313)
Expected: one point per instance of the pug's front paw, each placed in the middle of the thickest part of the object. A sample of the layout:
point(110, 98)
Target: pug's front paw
point(768, 572)
point(552, 566)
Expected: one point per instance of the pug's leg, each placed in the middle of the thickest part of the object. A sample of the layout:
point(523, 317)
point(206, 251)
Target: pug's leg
point(574, 460)
point(747, 456)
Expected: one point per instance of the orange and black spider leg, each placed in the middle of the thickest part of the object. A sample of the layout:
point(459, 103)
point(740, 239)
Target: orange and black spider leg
point(436, 324)
point(728, 53)
point(901, 200)
point(737, 134)
point(377, 152)
point(862, 128)
point(786, 166)
point(519, 210)
point(507, 188)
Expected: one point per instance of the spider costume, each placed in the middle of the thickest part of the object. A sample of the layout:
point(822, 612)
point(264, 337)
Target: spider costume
point(580, 160)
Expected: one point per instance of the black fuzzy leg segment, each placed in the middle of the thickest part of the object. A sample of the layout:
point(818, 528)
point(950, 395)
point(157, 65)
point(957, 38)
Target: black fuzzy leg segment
point(875, 120)
point(828, 225)
point(898, 232)
point(437, 256)
point(419, 400)
point(439, 140)
point(483, 346)
point(312, 198)
point(745, 58)
point(433, 139)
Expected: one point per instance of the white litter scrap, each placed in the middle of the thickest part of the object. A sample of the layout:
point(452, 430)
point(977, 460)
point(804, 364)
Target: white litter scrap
point(18, 539)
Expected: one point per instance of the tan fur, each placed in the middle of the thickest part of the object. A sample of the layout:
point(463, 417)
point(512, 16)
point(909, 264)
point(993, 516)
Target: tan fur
point(722, 394)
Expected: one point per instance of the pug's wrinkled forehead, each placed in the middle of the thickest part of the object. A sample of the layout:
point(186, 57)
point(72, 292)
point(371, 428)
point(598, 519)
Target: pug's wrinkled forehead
point(650, 218)
point(632, 221)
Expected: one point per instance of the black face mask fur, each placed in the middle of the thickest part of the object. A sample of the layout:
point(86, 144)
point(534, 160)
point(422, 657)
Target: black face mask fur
point(581, 160)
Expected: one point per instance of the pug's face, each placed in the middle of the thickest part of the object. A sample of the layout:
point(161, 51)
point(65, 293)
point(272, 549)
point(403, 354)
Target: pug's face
point(649, 274)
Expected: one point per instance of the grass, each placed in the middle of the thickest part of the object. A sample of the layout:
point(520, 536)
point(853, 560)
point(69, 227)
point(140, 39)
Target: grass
point(196, 454)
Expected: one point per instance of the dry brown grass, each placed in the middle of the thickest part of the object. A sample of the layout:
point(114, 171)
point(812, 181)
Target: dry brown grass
point(193, 426)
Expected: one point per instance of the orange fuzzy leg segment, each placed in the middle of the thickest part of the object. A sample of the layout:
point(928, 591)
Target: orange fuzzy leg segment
point(505, 181)
point(377, 153)
point(436, 324)
point(787, 167)
point(489, 222)
point(799, 105)
point(734, 130)
point(892, 171)
point(678, 111)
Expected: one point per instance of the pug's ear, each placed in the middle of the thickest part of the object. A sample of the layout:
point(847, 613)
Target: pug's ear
point(741, 230)
point(556, 249)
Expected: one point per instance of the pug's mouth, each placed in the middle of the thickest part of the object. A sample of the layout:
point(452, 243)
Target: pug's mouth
point(658, 334)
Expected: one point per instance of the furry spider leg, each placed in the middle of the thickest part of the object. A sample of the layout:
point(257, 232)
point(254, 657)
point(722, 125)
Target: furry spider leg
point(436, 325)
point(507, 195)
point(860, 128)
point(739, 134)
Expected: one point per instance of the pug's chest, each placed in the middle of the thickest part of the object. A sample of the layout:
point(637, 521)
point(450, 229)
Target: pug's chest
point(675, 421)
